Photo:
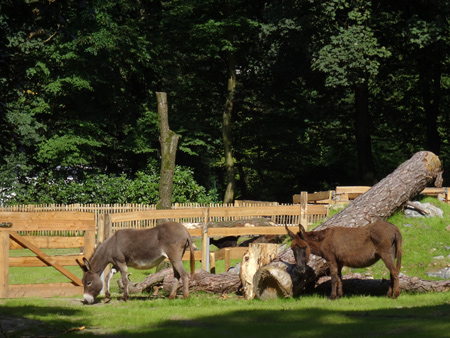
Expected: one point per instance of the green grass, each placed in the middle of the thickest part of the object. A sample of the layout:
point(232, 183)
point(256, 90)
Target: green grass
point(209, 316)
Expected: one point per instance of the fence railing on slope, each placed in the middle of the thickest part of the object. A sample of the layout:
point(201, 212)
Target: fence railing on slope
point(345, 194)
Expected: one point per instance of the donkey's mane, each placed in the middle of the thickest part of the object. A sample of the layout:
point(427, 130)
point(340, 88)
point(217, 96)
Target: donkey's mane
point(98, 248)
point(317, 236)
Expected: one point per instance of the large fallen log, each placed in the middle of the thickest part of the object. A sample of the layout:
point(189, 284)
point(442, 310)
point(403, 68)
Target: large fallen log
point(358, 284)
point(379, 202)
point(222, 283)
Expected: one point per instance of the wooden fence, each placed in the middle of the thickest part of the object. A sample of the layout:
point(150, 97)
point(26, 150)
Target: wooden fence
point(280, 215)
point(15, 228)
point(344, 195)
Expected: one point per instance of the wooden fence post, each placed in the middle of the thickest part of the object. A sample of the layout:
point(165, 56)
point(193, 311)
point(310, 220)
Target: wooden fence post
point(4, 263)
point(205, 240)
point(107, 227)
point(304, 209)
point(100, 228)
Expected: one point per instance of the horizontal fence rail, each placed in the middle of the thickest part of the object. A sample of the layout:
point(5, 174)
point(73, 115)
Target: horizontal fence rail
point(19, 234)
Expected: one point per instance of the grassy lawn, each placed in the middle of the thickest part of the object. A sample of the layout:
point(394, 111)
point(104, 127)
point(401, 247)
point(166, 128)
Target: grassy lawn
point(425, 315)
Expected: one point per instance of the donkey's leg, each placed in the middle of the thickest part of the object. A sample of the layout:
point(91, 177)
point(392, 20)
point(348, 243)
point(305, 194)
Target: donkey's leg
point(340, 291)
point(123, 273)
point(176, 281)
point(394, 287)
point(179, 272)
point(334, 280)
point(108, 278)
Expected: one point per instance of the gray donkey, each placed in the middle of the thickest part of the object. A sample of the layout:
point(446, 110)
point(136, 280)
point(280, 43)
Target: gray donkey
point(139, 249)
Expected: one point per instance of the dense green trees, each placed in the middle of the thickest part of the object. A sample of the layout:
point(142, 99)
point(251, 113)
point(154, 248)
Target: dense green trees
point(280, 96)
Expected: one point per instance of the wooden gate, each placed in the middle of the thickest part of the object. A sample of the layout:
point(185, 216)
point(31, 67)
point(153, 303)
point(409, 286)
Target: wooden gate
point(44, 230)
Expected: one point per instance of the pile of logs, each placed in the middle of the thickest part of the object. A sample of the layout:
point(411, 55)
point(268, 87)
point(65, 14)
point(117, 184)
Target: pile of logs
point(268, 272)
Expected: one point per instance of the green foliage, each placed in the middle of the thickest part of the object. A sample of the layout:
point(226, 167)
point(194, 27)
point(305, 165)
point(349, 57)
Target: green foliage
point(107, 189)
point(77, 84)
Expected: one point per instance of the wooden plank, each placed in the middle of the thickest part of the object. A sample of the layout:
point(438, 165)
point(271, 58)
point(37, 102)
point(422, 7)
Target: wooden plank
point(317, 196)
point(352, 189)
point(198, 232)
point(30, 224)
point(33, 261)
point(44, 257)
point(212, 232)
point(4, 269)
point(197, 256)
point(235, 253)
point(255, 211)
point(89, 243)
point(433, 191)
point(45, 290)
point(50, 242)
point(156, 214)
point(55, 221)
point(317, 209)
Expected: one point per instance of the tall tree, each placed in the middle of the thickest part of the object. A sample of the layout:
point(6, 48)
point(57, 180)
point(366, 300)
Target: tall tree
point(351, 57)
point(169, 142)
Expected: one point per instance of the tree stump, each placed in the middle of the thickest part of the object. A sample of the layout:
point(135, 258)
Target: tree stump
point(258, 255)
point(379, 202)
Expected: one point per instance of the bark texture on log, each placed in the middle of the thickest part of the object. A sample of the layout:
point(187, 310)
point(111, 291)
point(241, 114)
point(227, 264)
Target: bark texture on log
point(388, 195)
point(213, 283)
point(379, 202)
point(358, 284)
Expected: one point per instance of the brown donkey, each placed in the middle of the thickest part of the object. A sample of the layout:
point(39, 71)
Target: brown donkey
point(140, 249)
point(353, 247)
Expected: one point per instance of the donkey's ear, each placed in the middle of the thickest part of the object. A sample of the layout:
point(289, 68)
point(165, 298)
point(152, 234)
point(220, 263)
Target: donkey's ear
point(83, 267)
point(290, 233)
point(302, 231)
point(86, 262)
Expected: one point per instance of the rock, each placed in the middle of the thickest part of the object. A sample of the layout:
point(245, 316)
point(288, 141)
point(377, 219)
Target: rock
point(433, 210)
point(444, 273)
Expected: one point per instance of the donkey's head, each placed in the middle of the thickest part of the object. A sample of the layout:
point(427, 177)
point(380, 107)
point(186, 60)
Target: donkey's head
point(92, 282)
point(300, 248)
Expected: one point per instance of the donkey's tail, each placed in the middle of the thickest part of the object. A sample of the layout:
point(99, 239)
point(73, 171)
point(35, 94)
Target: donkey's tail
point(398, 251)
point(192, 257)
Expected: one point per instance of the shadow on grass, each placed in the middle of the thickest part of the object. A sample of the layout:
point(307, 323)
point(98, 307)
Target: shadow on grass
point(281, 320)
point(14, 321)
point(286, 323)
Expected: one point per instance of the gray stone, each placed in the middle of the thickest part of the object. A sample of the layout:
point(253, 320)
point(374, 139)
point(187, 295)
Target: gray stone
point(444, 273)
point(433, 210)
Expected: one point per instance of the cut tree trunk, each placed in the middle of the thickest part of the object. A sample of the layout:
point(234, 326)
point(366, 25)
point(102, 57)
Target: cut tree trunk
point(257, 256)
point(379, 202)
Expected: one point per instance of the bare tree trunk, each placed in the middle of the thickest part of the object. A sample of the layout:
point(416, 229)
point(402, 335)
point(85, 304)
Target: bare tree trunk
point(226, 130)
point(169, 142)
point(379, 202)
point(366, 167)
